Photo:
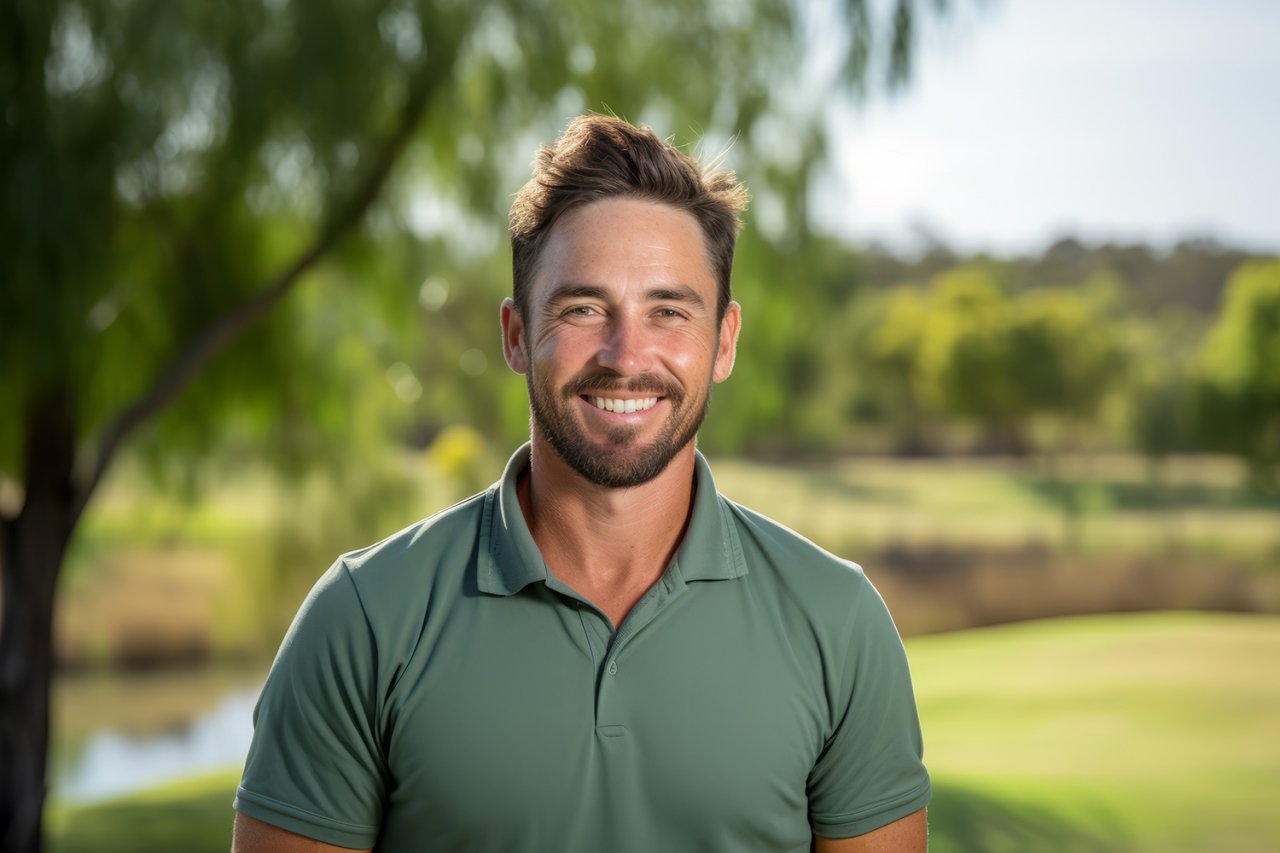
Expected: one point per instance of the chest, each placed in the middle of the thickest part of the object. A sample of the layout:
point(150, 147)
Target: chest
point(528, 724)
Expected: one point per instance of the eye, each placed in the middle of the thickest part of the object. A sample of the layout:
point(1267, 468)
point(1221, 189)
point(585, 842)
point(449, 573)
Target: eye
point(669, 314)
point(580, 311)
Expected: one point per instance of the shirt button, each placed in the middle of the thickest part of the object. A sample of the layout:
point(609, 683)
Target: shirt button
point(613, 667)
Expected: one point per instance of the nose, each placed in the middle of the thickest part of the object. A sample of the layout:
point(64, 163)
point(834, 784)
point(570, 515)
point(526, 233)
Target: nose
point(627, 347)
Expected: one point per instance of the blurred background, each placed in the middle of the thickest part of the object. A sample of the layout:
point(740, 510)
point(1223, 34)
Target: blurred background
point(1011, 295)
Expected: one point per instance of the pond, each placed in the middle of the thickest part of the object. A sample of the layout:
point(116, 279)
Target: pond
point(117, 734)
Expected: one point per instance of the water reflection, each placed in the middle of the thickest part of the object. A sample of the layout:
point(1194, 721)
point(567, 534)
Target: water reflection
point(113, 763)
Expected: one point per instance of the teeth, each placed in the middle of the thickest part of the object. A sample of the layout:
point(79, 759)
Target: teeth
point(611, 405)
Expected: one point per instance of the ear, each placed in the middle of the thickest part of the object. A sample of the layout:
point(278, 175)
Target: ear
point(513, 337)
point(727, 347)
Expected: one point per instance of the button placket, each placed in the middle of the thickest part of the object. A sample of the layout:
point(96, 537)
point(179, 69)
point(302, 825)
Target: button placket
point(611, 695)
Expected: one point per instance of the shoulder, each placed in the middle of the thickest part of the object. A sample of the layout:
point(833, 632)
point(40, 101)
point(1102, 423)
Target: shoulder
point(812, 589)
point(435, 539)
point(825, 603)
point(366, 616)
point(393, 584)
point(440, 543)
point(772, 547)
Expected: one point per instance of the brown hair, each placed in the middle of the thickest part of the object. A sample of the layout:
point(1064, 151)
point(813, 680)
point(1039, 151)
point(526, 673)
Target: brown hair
point(599, 157)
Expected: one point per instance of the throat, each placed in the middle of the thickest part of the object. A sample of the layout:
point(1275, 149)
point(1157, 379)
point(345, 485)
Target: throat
point(608, 545)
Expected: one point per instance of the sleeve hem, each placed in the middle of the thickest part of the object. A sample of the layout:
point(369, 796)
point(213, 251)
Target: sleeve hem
point(303, 822)
point(856, 823)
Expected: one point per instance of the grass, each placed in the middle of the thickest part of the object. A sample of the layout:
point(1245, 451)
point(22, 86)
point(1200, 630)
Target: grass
point(1152, 732)
point(1202, 502)
point(862, 503)
point(1112, 733)
point(193, 816)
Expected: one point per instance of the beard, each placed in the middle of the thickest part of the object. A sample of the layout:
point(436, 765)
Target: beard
point(615, 463)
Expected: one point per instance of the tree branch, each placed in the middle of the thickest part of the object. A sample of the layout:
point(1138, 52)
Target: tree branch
point(215, 337)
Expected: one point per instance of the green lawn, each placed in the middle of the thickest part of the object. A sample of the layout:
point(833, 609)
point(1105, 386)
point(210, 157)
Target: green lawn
point(1152, 732)
point(1113, 733)
point(193, 816)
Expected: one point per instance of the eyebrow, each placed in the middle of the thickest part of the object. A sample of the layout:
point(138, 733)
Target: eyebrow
point(682, 293)
point(679, 293)
point(576, 291)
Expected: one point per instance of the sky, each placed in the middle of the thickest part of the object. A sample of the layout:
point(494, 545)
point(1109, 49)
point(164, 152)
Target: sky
point(1028, 120)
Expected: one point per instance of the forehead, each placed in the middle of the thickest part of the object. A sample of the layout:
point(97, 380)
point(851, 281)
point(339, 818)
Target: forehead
point(619, 242)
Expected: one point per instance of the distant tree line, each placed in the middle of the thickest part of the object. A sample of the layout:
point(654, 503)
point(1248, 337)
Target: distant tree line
point(857, 349)
point(1104, 347)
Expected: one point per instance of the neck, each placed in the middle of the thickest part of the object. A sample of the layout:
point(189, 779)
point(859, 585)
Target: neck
point(609, 545)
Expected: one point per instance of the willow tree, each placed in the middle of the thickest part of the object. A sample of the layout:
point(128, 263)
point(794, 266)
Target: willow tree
point(172, 171)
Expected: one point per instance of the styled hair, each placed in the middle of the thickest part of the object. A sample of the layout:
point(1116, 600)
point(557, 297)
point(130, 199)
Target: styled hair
point(599, 157)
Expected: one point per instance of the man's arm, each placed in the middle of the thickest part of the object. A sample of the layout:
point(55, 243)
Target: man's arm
point(255, 836)
point(905, 835)
point(317, 766)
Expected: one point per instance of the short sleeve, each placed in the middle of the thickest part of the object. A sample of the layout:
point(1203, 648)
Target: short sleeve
point(316, 765)
point(871, 771)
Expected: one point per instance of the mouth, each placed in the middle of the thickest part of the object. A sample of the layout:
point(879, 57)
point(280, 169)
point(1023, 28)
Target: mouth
point(621, 406)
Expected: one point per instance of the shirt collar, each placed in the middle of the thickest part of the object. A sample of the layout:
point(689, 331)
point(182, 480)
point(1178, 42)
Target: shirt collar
point(509, 560)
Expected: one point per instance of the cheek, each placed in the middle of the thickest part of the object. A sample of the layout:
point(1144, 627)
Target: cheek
point(563, 348)
point(689, 351)
point(687, 364)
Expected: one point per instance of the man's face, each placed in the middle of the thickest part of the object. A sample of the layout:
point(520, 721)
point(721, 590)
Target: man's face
point(619, 339)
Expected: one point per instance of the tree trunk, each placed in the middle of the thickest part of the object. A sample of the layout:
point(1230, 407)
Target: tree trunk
point(32, 546)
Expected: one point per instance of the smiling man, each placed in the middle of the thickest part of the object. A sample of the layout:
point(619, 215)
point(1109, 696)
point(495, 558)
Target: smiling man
point(600, 652)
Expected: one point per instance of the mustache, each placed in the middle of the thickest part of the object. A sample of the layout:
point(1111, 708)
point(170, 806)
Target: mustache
point(602, 383)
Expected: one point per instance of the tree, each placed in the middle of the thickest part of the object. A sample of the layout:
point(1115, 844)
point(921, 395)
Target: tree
point(1065, 356)
point(1047, 353)
point(1238, 375)
point(887, 334)
point(966, 349)
point(172, 171)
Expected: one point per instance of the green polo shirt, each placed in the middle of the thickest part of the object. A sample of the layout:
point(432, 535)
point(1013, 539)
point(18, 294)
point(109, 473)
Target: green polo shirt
point(443, 691)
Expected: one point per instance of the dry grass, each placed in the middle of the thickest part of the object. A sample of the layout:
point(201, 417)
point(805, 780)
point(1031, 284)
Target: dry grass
point(143, 703)
point(142, 606)
point(1093, 504)
point(932, 589)
point(951, 543)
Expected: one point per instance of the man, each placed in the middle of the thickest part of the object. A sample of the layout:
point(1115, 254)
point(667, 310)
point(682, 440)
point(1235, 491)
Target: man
point(599, 653)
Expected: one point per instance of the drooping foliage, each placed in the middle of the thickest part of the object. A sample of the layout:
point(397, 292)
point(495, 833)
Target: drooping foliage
point(171, 172)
